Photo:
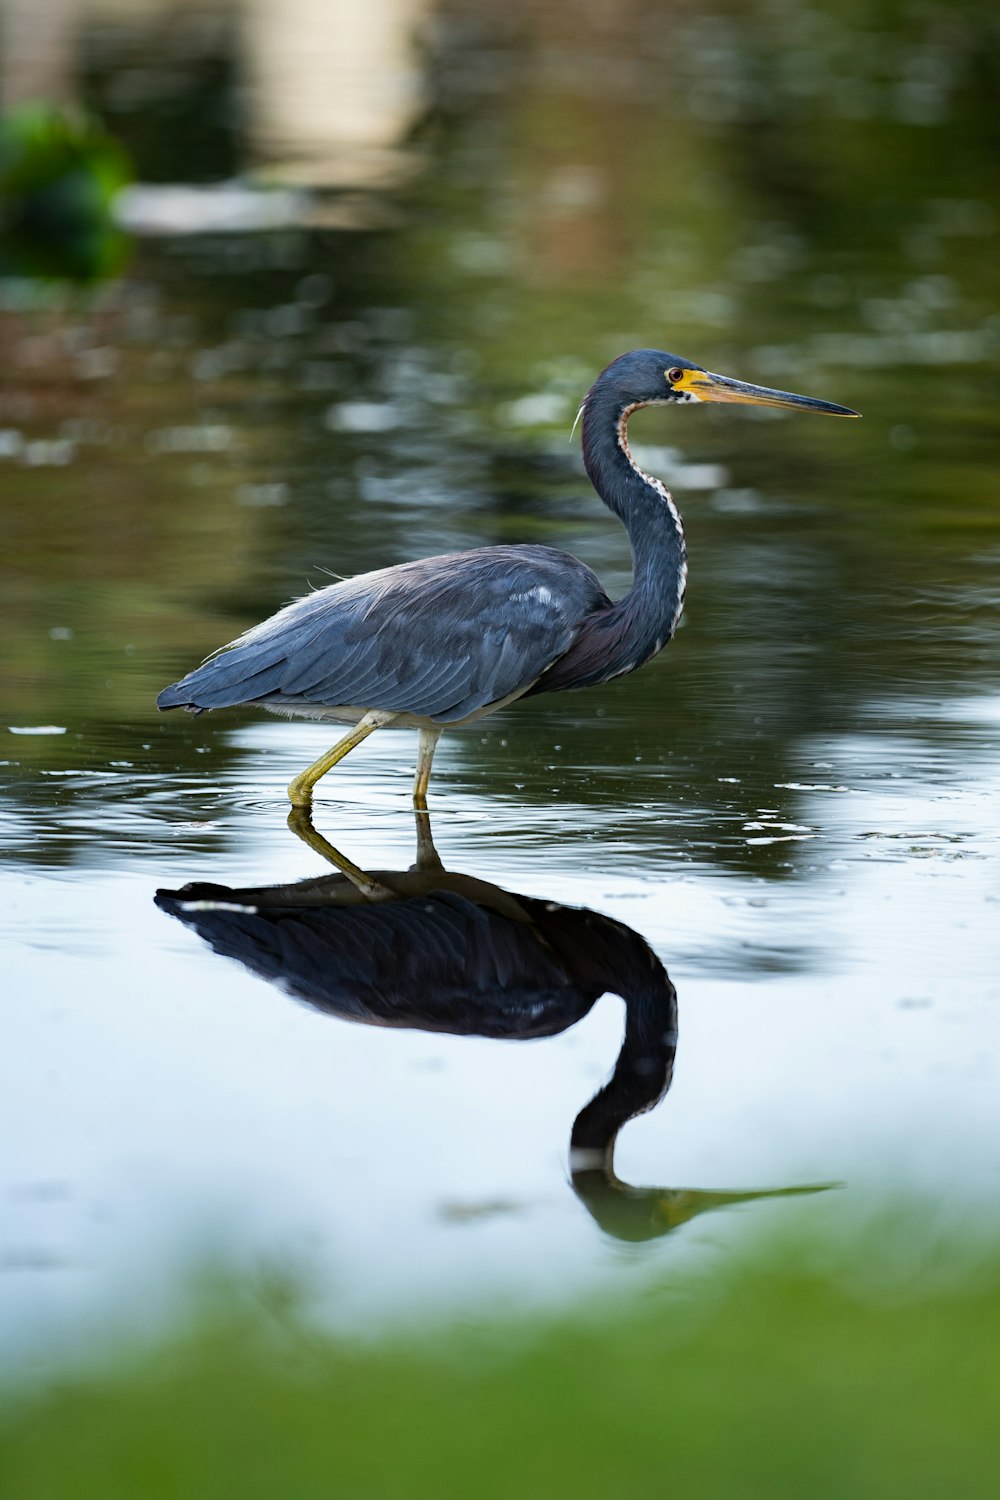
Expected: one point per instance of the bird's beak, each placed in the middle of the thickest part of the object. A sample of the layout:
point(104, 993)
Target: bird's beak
point(704, 386)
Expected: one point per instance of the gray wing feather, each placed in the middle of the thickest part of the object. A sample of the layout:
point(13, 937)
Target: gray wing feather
point(440, 638)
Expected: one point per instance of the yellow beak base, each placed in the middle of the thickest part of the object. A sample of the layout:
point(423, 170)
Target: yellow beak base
point(704, 386)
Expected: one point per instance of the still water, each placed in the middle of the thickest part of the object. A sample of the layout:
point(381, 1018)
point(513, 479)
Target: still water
point(795, 807)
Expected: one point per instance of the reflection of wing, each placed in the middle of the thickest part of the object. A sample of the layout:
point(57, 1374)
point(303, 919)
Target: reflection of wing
point(439, 961)
point(439, 638)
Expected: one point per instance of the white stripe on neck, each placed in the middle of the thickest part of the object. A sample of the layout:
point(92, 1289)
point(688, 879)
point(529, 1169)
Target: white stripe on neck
point(621, 429)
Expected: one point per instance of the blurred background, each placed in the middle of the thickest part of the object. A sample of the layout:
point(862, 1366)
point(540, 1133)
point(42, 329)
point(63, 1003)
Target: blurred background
point(306, 288)
point(367, 265)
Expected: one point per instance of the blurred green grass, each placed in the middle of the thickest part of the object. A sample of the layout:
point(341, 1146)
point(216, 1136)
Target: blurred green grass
point(870, 1371)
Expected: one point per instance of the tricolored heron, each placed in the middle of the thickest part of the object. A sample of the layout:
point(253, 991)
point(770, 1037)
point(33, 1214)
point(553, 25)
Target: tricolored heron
point(447, 640)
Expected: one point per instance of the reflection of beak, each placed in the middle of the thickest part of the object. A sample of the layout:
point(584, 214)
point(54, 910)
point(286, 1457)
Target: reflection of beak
point(707, 387)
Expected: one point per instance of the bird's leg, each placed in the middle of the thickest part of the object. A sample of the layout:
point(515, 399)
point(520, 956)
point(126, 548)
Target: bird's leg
point(300, 790)
point(427, 739)
point(301, 824)
point(427, 856)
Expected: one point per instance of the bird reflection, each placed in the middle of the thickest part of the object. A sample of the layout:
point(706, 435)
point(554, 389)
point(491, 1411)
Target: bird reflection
point(436, 950)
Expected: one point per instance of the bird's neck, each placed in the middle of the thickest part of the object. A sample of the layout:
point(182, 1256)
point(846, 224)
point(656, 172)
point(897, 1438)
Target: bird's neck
point(644, 507)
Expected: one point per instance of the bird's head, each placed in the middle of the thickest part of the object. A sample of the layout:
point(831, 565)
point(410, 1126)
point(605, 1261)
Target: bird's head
point(648, 377)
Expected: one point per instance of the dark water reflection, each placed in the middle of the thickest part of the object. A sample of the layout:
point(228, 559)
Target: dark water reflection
point(439, 951)
point(796, 804)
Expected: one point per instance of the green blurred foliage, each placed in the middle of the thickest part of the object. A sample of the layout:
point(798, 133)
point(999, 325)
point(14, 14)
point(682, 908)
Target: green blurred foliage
point(865, 1372)
point(59, 175)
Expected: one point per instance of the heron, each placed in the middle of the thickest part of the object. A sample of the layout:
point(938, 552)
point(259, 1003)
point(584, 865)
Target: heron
point(444, 641)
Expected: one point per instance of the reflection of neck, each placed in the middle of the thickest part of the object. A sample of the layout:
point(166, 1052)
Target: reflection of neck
point(642, 1073)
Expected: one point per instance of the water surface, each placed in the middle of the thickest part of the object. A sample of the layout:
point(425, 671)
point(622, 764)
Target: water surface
point(795, 806)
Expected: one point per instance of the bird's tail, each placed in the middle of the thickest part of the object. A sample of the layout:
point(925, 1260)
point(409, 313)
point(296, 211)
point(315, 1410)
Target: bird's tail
point(243, 673)
point(178, 695)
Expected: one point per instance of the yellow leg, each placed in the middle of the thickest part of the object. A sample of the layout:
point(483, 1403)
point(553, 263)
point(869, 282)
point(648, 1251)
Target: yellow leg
point(301, 825)
point(426, 745)
point(300, 790)
point(427, 856)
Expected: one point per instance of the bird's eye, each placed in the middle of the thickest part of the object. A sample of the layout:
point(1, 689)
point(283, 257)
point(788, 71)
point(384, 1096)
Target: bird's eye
point(674, 375)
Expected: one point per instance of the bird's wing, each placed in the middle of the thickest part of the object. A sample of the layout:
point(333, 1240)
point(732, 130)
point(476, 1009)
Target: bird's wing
point(440, 638)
